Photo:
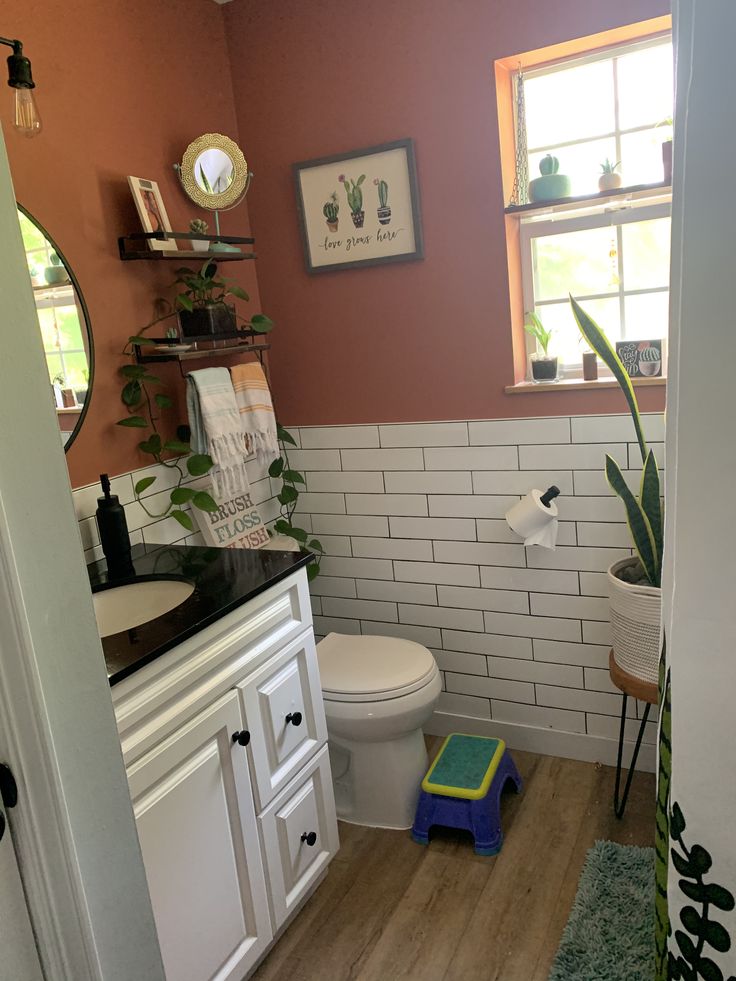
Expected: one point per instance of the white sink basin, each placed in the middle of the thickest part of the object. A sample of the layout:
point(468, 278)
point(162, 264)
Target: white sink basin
point(122, 607)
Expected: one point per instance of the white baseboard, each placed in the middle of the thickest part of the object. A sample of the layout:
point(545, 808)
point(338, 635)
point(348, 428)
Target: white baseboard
point(548, 742)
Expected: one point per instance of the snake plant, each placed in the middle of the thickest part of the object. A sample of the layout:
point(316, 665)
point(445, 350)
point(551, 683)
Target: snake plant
point(643, 513)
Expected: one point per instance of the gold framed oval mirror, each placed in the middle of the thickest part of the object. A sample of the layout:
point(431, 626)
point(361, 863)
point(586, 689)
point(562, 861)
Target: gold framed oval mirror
point(63, 320)
point(214, 172)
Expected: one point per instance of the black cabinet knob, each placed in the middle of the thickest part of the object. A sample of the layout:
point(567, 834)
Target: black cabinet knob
point(241, 738)
point(310, 838)
point(295, 718)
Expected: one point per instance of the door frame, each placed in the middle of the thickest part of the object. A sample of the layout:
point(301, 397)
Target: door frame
point(73, 828)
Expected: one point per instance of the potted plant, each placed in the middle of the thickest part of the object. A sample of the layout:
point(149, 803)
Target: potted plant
point(551, 185)
point(55, 274)
point(355, 198)
point(544, 365)
point(330, 211)
point(666, 125)
point(203, 311)
point(198, 226)
point(634, 583)
point(609, 179)
point(383, 211)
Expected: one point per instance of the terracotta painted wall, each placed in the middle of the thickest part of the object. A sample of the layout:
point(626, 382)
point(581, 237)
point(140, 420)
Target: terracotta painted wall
point(413, 341)
point(121, 89)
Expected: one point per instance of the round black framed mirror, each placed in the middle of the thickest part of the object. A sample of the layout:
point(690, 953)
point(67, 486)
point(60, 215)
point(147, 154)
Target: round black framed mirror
point(64, 323)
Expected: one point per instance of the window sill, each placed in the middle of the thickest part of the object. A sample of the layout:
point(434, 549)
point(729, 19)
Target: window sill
point(638, 193)
point(578, 384)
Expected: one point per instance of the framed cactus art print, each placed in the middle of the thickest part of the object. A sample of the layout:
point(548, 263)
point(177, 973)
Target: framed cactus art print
point(359, 208)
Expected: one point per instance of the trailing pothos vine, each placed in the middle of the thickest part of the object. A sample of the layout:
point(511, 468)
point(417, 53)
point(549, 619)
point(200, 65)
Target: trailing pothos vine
point(288, 497)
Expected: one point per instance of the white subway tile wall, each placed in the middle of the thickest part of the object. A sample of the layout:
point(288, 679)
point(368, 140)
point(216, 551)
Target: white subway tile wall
point(412, 519)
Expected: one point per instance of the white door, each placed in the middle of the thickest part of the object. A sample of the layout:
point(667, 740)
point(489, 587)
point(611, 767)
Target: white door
point(197, 826)
point(18, 955)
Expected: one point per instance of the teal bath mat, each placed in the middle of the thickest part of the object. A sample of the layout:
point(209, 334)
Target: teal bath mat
point(610, 932)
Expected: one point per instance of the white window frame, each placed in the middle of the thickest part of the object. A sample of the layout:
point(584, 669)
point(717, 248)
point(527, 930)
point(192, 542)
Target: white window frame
point(547, 225)
point(604, 54)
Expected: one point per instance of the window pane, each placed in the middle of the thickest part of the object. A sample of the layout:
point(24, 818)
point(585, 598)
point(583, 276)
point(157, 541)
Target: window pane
point(641, 156)
point(571, 104)
point(70, 332)
point(53, 362)
point(645, 86)
point(76, 369)
point(647, 316)
point(646, 246)
point(581, 163)
point(575, 262)
point(566, 341)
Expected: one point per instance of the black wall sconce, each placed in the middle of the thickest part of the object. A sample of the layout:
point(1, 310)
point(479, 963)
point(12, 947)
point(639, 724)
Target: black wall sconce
point(26, 119)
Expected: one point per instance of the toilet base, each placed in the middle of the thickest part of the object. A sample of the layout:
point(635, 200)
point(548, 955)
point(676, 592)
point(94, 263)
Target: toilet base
point(377, 784)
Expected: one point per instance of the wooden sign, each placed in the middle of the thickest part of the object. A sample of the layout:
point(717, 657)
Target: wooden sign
point(237, 523)
point(642, 359)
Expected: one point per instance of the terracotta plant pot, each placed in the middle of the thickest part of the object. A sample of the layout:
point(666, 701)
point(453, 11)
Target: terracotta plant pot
point(636, 611)
point(667, 161)
point(216, 320)
point(332, 225)
point(358, 218)
point(590, 365)
point(67, 397)
point(544, 368)
point(609, 182)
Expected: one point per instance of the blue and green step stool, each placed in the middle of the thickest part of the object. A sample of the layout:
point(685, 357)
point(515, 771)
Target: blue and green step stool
point(463, 788)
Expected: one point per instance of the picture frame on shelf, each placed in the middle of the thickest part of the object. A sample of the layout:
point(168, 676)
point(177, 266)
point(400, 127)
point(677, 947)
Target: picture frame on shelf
point(359, 208)
point(152, 212)
point(641, 359)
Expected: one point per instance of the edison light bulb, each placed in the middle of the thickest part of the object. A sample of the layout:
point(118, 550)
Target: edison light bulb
point(26, 119)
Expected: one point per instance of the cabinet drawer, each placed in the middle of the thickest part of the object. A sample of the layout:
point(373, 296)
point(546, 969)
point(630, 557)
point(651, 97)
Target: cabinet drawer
point(299, 833)
point(285, 716)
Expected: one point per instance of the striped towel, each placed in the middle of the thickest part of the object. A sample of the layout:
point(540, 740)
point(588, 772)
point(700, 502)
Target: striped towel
point(216, 429)
point(256, 410)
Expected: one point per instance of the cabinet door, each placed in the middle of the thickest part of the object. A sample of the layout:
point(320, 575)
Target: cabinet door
point(285, 716)
point(197, 827)
point(299, 836)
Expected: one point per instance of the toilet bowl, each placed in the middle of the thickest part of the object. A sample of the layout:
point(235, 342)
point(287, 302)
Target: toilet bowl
point(378, 693)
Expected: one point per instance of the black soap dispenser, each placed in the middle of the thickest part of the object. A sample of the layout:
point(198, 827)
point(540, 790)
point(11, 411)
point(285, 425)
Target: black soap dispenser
point(113, 532)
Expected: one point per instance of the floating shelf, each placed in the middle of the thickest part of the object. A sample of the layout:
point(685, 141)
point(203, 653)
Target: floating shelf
point(244, 347)
point(129, 247)
point(634, 192)
point(54, 287)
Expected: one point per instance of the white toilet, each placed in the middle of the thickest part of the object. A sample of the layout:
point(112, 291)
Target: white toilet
point(378, 693)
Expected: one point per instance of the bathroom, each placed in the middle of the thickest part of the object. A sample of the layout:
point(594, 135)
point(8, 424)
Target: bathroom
point(406, 384)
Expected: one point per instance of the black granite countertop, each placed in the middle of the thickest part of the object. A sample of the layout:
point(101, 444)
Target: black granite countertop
point(223, 578)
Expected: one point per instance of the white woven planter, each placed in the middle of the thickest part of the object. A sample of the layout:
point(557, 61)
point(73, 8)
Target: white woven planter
point(636, 612)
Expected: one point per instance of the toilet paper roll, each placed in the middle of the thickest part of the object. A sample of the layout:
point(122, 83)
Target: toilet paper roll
point(533, 521)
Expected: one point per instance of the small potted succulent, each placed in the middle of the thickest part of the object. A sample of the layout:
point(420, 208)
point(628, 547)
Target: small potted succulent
point(55, 274)
point(198, 226)
point(383, 211)
point(544, 365)
point(331, 210)
point(610, 179)
point(551, 185)
point(355, 198)
point(666, 125)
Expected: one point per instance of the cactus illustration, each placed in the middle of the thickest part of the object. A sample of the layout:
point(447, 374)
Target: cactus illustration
point(355, 198)
point(384, 212)
point(548, 165)
point(650, 354)
point(330, 211)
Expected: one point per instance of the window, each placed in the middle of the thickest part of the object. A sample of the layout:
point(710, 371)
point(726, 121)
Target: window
point(611, 254)
point(58, 317)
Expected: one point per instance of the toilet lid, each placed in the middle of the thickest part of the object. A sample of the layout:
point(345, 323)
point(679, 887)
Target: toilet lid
point(365, 668)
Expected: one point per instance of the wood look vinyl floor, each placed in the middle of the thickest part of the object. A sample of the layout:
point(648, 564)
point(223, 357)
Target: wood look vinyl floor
point(392, 910)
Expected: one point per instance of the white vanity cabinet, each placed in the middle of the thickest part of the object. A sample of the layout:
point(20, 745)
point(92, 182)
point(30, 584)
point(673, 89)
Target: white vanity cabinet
point(224, 741)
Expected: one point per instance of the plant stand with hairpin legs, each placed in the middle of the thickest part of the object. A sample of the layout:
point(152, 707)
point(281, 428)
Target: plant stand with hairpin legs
point(645, 691)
